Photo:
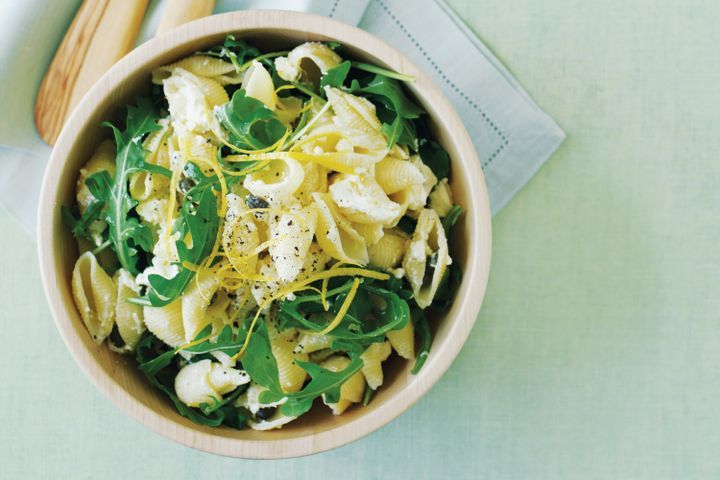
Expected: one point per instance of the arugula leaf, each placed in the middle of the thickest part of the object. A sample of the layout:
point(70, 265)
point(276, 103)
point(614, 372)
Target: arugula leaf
point(242, 50)
point(363, 322)
point(367, 396)
point(333, 45)
point(434, 156)
point(226, 341)
point(335, 77)
point(388, 92)
point(156, 365)
point(259, 361)
point(217, 404)
point(237, 51)
point(351, 347)
point(446, 290)
point(79, 224)
point(451, 217)
point(197, 178)
point(249, 123)
point(199, 220)
point(126, 233)
point(369, 67)
point(396, 128)
point(323, 382)
point(423, 330)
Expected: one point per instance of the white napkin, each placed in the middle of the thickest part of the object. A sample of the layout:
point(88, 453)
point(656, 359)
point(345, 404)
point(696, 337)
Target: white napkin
point(512, 135)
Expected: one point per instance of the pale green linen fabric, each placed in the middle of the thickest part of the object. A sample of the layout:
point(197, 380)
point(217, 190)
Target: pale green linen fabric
point(596, 354)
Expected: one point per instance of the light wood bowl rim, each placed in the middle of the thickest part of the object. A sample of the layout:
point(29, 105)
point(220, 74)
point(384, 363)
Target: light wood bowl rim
point(477, 221)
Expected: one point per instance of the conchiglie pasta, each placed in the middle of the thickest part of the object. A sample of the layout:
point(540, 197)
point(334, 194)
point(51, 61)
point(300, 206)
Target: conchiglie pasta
point(242, 302)
point(146, 185)
point(263, 290)
point(310, 343)
point(165, 256)
point(316, 260)
point(240, 235)
point(372, 233)
point(149, 189)
point(334, 137)
point(277, 182)
point(95, 296)
point(202, 66)
point(372, 358)
point(394, 175)
point(351, 391)
point(427, 250)
point(206, 382)
point(128, 316)
point(214, 93)
point(199, 150)
point(102, 160)
point(336, 235)
point(361, 200)
point(429, 177)
point(388, 252)
point(166, 322)
point(283, 344)
point(156, 140)
point(217, 312)
point(314, 180)
point(153, 210)
point(250, 400)
point(292, 235)
point(355, 112)
point(292, 67)
point(441, 198)
point(258, 84)
point(411, 199)
point(403, 341)
point(414, 197)
point(399, 152)
point(196, 300)
point(288, 109)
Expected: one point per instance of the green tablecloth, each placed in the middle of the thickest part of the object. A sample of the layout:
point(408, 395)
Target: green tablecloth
point(596, 352)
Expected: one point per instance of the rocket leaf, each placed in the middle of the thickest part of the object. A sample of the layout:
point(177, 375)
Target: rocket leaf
point(198, 220)
point(249, 123)
point(126, 233)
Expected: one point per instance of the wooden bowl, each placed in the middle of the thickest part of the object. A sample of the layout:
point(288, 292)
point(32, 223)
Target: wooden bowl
point(117, 376)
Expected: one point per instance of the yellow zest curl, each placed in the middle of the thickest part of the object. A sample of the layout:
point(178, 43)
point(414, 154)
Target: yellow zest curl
point(297, 285)
point(343, 308)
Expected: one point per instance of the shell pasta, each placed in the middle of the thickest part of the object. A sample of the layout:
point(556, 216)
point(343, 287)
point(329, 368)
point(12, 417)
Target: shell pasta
point(264, 232)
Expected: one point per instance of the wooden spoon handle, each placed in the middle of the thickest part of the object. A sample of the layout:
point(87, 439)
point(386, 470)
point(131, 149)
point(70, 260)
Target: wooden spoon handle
point(102, 32)
point(178, 12)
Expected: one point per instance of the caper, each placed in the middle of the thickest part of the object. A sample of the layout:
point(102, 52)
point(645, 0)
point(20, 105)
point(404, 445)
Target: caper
point(186, 184)
point(265, 413)
point(255, 202)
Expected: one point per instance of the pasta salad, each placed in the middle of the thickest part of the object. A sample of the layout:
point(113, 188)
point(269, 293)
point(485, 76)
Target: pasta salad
point(264, 231)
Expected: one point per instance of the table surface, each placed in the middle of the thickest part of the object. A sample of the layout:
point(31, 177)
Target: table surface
point(596, 352)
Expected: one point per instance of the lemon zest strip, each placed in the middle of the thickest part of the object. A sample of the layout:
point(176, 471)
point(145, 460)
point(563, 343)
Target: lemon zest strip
point(297, 285)
point(343, 308)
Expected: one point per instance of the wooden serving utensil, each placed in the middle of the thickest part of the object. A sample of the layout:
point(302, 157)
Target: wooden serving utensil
point(102, 32)
point(178, 12)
